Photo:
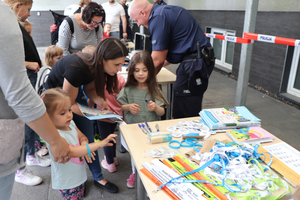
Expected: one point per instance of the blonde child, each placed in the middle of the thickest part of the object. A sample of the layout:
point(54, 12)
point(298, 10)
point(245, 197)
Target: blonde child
point(141, 98)
point(107, 28)
point(52, 55)
point(69, 178)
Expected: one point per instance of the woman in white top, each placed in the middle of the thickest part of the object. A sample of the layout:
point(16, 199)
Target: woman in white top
point(86, 29)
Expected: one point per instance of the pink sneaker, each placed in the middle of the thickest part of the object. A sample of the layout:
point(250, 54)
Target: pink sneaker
point(110, 167)
point(116, 162)
point(131, 181)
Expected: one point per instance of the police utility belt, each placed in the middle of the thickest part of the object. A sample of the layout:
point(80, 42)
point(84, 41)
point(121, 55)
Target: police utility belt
point(207, 53)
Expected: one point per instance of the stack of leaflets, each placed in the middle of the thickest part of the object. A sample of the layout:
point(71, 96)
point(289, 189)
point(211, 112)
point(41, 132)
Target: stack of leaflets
point(94, 113)
point(250, 135)
point(229, 118)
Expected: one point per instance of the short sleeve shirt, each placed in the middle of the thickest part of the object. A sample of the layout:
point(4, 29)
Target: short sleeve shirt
point(174, 29)
point(131, 94)
point(73, 69)
point(63, 175)
point(113, 14)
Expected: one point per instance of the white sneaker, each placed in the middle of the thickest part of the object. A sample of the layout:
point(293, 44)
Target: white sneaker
point(38, 160)
point(26, 177)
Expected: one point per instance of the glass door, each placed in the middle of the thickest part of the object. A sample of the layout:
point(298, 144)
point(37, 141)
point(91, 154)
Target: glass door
point(224, 50)
point(294, 78)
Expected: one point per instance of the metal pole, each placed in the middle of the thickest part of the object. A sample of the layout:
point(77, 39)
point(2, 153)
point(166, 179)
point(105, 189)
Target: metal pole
point(246, 53)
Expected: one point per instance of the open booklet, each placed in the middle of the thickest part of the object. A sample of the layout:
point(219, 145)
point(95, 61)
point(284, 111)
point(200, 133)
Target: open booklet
point(94, 113)
point(250, 135)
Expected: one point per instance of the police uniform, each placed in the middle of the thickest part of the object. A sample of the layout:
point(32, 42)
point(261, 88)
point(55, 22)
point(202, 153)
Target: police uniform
point(174, 29)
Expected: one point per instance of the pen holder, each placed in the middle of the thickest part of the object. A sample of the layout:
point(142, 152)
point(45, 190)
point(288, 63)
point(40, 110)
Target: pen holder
point(159, 137)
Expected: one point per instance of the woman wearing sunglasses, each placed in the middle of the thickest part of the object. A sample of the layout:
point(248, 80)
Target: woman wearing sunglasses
point(87, 29)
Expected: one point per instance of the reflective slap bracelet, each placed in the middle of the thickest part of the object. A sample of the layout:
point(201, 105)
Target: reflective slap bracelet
point(179, 180)
point(173, 164)
point(215, 188)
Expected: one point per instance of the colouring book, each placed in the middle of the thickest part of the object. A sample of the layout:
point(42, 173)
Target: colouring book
point(250, 135)
point(229, 117)
point(94, 113)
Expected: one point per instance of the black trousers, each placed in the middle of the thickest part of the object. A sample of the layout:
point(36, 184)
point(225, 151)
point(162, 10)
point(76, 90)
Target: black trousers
point(189, 88)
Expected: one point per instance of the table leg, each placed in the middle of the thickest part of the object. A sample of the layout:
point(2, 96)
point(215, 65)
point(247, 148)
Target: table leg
point(140, 192)
point(170, 100)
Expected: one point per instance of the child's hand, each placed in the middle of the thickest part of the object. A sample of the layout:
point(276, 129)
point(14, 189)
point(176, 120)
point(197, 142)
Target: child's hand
point(134, 108)
point(90, 159)
point(106, 141)
point(151, 106)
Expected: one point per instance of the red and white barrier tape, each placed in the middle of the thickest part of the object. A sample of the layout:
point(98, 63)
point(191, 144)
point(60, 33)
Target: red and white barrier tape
point(272, 39)
point(228, 38)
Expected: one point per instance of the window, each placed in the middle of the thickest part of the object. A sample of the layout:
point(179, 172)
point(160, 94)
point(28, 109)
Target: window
point(224, 50)
point(294, 78)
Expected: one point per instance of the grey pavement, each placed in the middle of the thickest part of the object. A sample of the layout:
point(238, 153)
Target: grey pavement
point(277, 117)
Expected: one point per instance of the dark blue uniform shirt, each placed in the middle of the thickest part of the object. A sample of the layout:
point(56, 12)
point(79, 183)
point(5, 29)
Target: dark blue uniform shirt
point(174, 29)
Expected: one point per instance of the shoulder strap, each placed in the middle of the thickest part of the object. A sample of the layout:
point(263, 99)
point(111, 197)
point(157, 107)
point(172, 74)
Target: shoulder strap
point(41, 77)
point(70, 22)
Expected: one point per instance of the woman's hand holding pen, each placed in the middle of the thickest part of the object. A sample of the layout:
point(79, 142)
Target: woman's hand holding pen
point(134, 108)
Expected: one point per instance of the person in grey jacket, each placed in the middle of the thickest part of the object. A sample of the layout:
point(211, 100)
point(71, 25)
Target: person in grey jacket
point(19, 103)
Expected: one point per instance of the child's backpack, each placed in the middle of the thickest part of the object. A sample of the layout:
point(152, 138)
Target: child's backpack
point(54, 28)
point(42, 80)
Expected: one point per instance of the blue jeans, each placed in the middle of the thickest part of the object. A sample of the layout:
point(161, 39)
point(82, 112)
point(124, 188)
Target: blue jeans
point(106, 128)
point(86, 127)
point(6, 186)
point(30, 135)
point(115, 34)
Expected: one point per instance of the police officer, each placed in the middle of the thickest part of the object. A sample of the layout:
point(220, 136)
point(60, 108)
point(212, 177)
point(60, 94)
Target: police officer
point(174, 35)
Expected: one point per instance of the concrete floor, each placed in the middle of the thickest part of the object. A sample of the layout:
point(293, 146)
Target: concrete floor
point(280, 119)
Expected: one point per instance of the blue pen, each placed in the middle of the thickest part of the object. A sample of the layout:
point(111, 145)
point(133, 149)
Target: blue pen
point(142, 129)
point(148, 127)
point(157, 128)
point(145, 128)
point(146, 101)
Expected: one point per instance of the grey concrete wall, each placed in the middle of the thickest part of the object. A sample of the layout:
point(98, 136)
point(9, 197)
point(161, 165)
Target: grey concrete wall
point(41, 27)
point(268, 60)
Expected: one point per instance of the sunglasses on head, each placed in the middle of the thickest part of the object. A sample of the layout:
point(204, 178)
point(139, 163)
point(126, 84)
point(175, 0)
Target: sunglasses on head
point(98, 11)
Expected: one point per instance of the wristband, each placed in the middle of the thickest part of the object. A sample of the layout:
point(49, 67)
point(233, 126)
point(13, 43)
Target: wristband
point(195, 147)
point(89, 151)
point(174, 147)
